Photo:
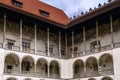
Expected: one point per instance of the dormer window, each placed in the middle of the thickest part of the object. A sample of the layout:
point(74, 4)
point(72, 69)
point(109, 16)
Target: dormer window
point(44, 13)
point(17, 3)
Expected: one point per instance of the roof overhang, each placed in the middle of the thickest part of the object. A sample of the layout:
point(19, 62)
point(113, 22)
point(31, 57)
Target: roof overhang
point(81, 19)
point(94, 13)
point(32, 15)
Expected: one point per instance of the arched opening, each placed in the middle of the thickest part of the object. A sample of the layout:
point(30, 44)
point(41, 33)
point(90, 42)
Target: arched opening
point(78, 69)
point(92, 79)
point(91, 67)
point(28, 66)
point(27, 79)
point(106, 65)
point(12, 78)
point(54, 69)
point(12, 64)
point(107, 78)
point(41, 68)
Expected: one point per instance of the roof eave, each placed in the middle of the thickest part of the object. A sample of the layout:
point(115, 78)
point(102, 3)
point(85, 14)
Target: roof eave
point(33, 16)
point(95, 13)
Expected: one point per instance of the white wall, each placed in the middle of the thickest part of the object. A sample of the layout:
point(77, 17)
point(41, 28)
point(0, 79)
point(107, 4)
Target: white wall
point(116, 56)
point(1, 63)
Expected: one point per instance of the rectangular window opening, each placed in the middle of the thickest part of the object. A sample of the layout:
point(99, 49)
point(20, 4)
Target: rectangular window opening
point(17, 3)
point(26, 44)
point(44, 13)
point(94, 47)
point(10, 44)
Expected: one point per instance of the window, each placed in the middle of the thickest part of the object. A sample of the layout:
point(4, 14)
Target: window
point(9, 68)
point(94, 46)
point(75, 49)
point(10, 44)
point(62, 52)
point(17, 3)
point(50, 48)
point(26, 45)
point(44, 13)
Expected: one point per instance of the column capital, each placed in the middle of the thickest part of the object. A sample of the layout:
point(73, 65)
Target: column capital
point(5, 16)
point(110, 16)
point(21, 20)
point(48, 29)
point(65, 34)
point(96, 22)
point(35, 24)
point(72, 32)
point(59, 32)
point(84, 39)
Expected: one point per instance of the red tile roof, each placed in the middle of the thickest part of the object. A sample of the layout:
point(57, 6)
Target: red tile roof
point(56, 15)
point(33, 7)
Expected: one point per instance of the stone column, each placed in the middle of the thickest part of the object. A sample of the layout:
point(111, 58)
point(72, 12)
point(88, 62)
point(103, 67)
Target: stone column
point(84, 40)
point(99, 68)
point(66, 45)
point(35, 38)
point(111, 26)
point(20, 67)
point(85, 70)
point(60, 44)
point(72, 44)
point(48, 73)
point(21, 23)
point(35, 68)
point(97, 36)
point(48, 42)
point(4, 32)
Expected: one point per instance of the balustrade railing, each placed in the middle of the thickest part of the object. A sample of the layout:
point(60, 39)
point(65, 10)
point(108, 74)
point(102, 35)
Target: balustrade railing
point(74, 55)
point(88, 52)
point(28, 50)
point(12, 47)
point(106, 72)
point(78, 75)
point(32, 51)
point(11, 72)
point(54, 76)
point(116, 45)
point(41, 75)
point(101, 49)
point(64, 57)
point(44, 75)
point(27, 73)
point(92, 74)
point(42, 53)
point(78, 54)
point(54, 55)
point(105, 48)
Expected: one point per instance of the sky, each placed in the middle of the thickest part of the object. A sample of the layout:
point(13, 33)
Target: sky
point(74, 7)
